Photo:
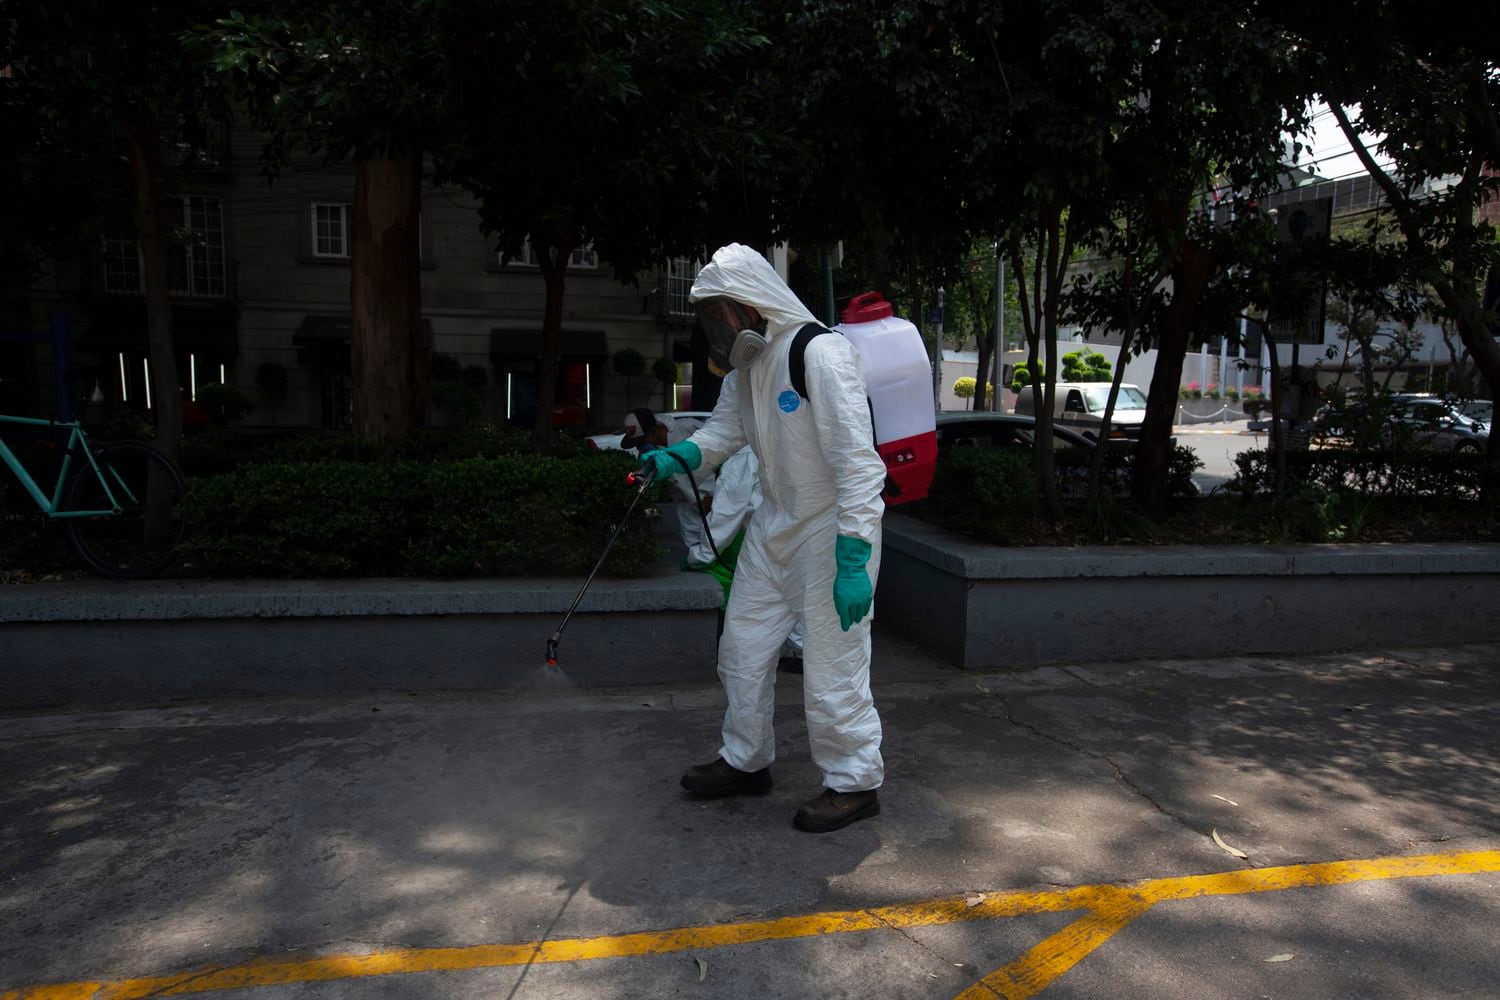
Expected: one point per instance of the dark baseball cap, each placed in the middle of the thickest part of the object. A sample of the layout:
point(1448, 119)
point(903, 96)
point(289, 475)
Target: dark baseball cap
point(638, 423)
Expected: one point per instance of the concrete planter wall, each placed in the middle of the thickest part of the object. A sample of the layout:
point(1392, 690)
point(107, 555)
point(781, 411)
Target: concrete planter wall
point(984, 606)
point(103, 643)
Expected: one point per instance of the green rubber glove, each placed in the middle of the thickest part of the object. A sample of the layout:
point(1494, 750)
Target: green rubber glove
point(852, 592)
point(663, 461)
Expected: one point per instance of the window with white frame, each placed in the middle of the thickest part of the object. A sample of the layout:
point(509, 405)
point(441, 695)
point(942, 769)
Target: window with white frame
point(582, 257)
point(122, 265)
point(196, 262)
point(330, 230)
point(681, 272)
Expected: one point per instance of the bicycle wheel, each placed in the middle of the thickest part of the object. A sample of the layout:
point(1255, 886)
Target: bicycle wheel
point(141, 540)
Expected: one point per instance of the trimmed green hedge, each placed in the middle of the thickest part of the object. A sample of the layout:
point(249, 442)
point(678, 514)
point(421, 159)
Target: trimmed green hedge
point(1405, 473)
point(988, 493)
point(215, 450)
point(508, 515)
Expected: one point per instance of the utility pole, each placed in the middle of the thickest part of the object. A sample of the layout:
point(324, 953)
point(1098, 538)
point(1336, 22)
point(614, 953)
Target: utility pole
point(995, 406)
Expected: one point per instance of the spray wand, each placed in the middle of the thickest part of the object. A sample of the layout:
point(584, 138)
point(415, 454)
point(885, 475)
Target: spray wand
point(642, 481)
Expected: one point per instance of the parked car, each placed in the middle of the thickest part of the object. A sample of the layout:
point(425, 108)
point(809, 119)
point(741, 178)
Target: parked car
point(968, 428)
point(611, 441)
point(1481, 411)
point(1435, 423)
point(965, 429)
point(1080, 405)
point(1419, 419)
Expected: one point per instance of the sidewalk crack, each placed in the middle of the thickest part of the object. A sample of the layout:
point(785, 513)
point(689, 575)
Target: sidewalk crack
point(1080, 678)
point(1119, 772)
point(924, 946)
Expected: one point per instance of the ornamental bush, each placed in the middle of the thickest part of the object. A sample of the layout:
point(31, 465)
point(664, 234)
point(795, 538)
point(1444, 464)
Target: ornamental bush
point(989, 493)
point(505, 515)
point(1389, 473)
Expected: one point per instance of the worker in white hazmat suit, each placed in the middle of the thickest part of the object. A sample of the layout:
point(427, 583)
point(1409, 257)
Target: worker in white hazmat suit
point(812, 549)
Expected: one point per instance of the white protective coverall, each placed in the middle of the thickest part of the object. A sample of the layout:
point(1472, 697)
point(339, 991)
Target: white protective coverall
point(821, 477)
point(737, 495)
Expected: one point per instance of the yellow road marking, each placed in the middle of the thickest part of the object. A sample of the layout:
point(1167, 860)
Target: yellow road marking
point(1034, 971)
point(1108, 908)
point(1118, 906)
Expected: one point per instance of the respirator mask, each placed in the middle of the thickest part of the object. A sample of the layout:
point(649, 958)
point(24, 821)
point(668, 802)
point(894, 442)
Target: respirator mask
point(734, 338)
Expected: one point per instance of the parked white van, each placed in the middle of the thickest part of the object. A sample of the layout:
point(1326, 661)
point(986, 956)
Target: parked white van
point(1080, 405)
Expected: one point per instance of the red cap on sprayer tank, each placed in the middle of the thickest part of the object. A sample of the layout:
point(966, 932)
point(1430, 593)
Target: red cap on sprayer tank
point(866, 308)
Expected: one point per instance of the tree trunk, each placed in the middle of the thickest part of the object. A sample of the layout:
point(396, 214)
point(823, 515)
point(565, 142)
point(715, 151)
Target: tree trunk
point(914, 284)
point(984, 342)
point(1154, 453)
point(554, 271)
point(144, 139)
point(1051, 225)
point(387, 342)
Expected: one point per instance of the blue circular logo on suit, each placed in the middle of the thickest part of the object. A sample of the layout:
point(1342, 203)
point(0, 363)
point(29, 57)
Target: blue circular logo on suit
point(789, 401)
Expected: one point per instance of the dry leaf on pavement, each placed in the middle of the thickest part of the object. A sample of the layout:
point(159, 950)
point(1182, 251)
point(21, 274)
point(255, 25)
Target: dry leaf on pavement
point(1232, 850)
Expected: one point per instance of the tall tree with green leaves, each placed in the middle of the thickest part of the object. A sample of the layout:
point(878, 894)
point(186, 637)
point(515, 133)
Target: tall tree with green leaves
point(1215, 87)
point(370, 83)
point(97, 78)
point(616, 129)
point(1431, 87)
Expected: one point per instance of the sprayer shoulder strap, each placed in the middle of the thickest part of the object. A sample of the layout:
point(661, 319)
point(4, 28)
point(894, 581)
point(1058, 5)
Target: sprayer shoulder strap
point(796, 359)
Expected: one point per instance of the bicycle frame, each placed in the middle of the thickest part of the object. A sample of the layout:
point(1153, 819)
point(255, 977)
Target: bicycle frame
point(78, 443)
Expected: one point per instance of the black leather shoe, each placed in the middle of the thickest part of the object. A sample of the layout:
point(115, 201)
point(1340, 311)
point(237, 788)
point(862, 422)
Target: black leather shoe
point(718, 778)
point(836, 810)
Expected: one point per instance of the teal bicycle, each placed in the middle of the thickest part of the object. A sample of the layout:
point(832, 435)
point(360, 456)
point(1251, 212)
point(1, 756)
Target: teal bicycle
point(121, 503)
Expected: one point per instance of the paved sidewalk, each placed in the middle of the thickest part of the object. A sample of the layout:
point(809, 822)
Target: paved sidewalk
point(533, 843)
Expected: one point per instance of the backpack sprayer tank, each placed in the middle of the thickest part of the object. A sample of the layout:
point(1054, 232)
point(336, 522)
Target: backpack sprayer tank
point(898, 378)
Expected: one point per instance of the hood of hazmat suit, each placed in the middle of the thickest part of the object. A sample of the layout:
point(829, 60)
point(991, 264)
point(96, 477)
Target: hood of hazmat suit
point(821, 477)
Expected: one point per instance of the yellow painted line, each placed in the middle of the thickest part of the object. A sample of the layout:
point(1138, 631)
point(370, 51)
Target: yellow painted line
point(1119, 905)
point(1108, 908)
point(1038, 968)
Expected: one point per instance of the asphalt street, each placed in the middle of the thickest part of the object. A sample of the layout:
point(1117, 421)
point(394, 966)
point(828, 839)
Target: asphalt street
point(1217, 446)
point(1073, 832)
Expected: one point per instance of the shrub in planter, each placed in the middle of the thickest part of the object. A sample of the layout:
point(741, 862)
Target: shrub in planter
point(1073, 470)
point(513, 514)
point(1391, 473)
point(225, 403)
point(523, 515)
point(988, 493)
point(295, 519)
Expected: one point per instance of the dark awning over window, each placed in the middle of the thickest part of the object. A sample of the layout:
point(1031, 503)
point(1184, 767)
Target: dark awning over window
point(322, 330)
point(214, 331)
point(330, 331)
point(528, 344)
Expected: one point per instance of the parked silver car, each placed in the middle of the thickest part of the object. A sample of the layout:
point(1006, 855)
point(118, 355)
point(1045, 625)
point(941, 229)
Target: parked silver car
point(611, 441)
point(1435, 423)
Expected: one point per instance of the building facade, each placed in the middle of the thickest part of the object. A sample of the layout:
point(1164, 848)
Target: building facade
point(260, 282)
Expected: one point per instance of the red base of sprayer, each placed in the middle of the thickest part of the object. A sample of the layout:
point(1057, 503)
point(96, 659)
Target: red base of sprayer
point(910, 462)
